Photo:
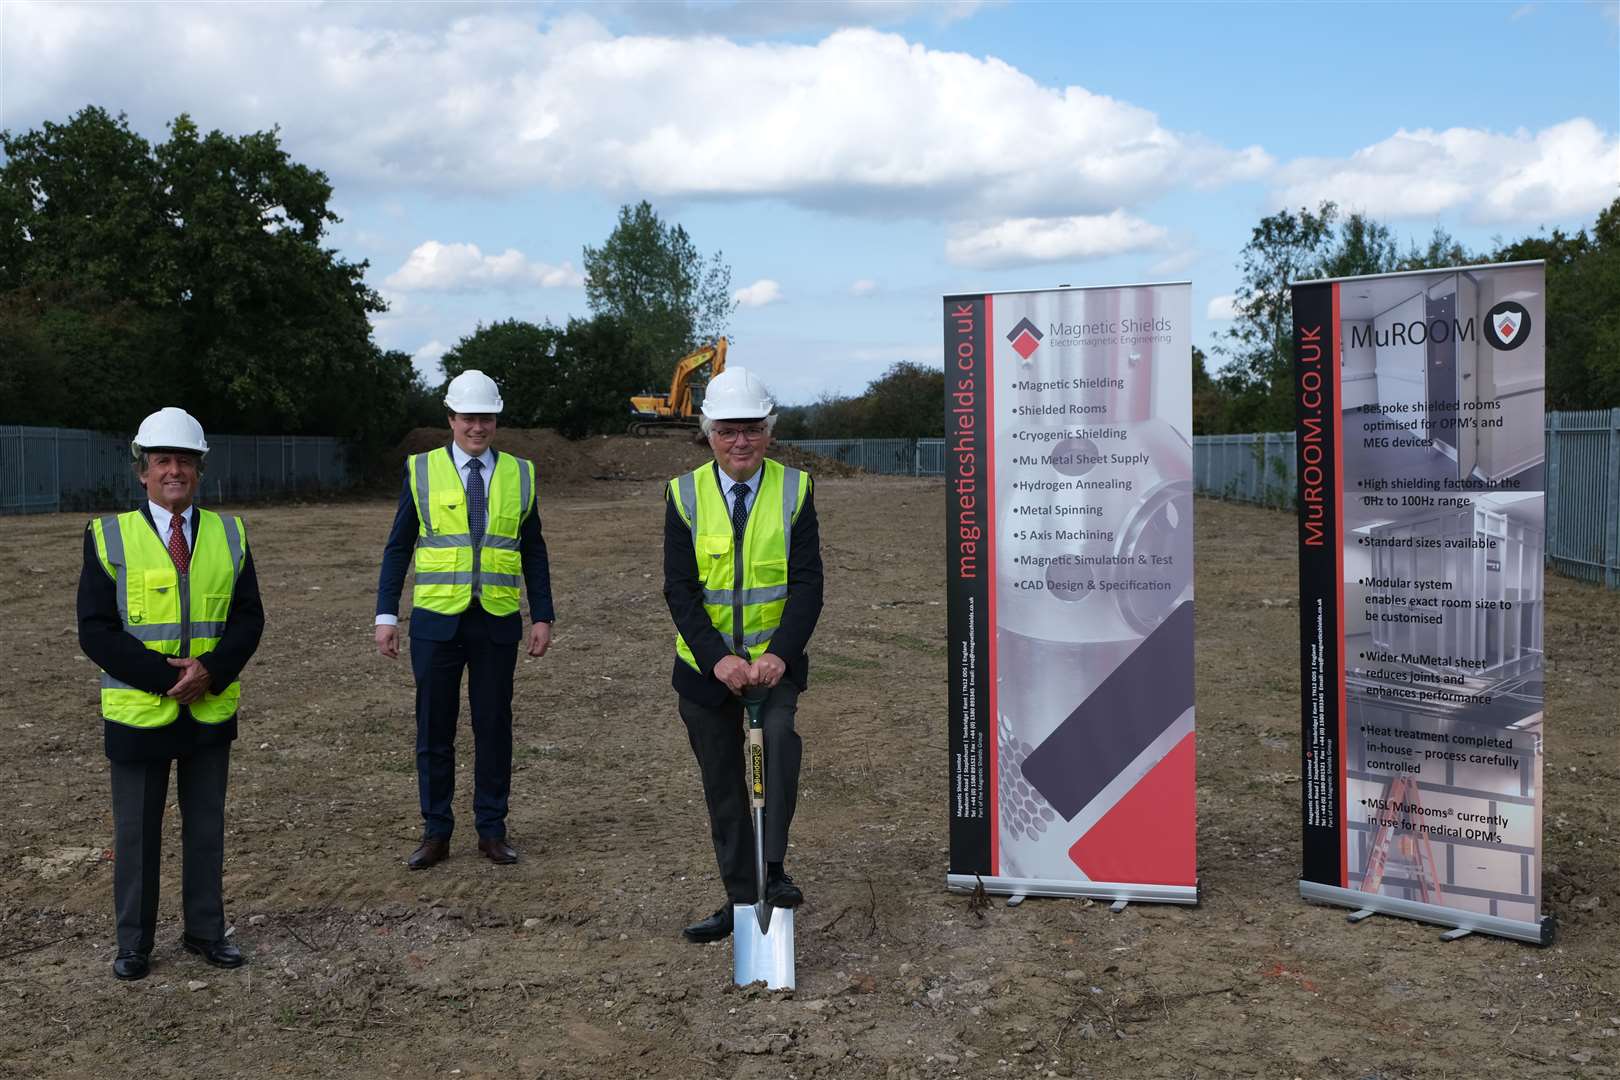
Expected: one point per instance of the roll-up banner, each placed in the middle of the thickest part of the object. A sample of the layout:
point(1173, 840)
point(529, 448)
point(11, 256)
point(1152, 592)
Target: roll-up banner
point(1068, 423)
point(1422, 476)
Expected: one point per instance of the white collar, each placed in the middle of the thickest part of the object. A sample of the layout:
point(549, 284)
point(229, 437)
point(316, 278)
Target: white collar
point(752, 483)
point(161, 516)
point(461, 457)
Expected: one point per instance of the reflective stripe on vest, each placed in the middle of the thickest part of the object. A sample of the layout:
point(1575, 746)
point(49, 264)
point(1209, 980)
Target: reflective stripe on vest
point(746, 612)
point(449, 570)
point(170, 613)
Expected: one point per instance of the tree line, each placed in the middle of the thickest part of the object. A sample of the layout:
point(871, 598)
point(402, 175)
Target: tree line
point(195, 270)
point(1252, 390)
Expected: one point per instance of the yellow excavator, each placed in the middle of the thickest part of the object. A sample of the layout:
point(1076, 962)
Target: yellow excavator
point(677, 411)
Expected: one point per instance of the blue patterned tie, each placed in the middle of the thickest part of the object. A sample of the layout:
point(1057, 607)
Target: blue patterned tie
point(739, 510)
point(475, 501)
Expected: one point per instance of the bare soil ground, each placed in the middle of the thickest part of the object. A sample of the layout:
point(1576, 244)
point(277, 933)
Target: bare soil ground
point(570, 963)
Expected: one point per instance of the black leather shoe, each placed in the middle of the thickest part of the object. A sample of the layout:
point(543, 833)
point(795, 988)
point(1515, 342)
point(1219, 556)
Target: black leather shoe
point(780, 890)
point(713, 928)
point(497, 850)
point(221, 953)
point(433, 850)
point(130, 965)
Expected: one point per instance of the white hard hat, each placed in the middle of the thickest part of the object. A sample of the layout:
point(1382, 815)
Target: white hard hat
point(169, 428)
point(736, 394)
point(473, 392)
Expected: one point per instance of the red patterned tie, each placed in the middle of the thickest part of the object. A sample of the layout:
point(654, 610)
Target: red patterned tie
point(177, 544)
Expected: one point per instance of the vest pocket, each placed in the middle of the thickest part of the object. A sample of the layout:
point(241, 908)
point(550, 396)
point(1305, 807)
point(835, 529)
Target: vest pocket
point(768, 572)
point(156, 597)
point(215, 607)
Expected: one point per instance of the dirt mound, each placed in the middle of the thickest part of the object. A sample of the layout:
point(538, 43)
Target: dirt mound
point(564, 465)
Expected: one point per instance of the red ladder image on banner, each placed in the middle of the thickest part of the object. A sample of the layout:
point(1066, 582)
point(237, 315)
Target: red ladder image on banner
point(1416, 852)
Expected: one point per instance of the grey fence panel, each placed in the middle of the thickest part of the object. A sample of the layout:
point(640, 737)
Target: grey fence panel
point(43, 470)
point(1583, 494)
point(1246, 468)
point(889, 457)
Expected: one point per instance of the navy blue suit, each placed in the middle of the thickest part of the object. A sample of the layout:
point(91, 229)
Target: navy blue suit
point(442, 646)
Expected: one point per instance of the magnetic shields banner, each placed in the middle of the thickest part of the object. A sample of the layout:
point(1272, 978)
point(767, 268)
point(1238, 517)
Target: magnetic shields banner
point(1068, 417)
point(1422, 476)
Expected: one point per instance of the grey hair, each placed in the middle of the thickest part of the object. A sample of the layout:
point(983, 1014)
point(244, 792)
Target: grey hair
point(142, 462)
point(705, 424)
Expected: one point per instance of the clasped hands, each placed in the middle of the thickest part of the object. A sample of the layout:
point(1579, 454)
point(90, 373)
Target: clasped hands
point(194, 680)
point(738, 674)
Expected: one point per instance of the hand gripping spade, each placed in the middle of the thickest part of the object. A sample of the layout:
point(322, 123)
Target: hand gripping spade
point(762, 936)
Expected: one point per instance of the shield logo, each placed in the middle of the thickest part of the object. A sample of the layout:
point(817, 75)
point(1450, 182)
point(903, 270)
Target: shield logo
point(1507, 324)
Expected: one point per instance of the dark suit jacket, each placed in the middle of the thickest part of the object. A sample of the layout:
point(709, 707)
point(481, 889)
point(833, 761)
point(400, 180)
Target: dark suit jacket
point(431, 625)
point(103, 640)
point(683, 591)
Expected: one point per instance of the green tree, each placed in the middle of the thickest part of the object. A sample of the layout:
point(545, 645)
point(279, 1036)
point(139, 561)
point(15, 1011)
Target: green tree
point(1583, 310)
point(1285, 247)
point(649, 274)
point(194, 270)
point(905, 403)
point(1362, 246)
point(1209, 404)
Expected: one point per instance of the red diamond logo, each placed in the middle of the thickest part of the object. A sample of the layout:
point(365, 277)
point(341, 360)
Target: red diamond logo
point(1508, 330)
point(1024, 344)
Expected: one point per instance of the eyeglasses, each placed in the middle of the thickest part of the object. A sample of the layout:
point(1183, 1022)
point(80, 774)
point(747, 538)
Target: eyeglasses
point(732, 434)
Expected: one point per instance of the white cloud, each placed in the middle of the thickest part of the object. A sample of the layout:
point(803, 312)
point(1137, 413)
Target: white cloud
point(500, 100)
point(863, 287)
point(1221, 308)
point(1563, 172)
point(762, 292)
point(448, 267)
point(790, 16)
point(1020, 241)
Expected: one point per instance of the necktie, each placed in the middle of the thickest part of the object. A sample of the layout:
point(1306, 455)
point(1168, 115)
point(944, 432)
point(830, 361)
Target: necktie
point(475, 501)
point(177, 544)
point(739, 509)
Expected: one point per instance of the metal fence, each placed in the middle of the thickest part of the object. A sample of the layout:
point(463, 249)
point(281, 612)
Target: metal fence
point(45, 469)
point(1583, 494)
point(889, 457)
point(1582, 476)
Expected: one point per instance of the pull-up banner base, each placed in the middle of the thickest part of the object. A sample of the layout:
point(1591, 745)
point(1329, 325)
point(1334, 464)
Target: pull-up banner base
point(1095, 890)
point(1536, 933)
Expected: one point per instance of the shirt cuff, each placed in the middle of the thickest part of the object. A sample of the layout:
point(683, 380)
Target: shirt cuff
point(387, 620)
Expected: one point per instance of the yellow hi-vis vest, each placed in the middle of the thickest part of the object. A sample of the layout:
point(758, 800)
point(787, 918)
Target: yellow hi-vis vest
point(170, 613)
point(744, 588)
point(449, 570)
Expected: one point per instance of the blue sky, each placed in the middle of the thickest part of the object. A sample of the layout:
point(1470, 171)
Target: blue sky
point(853, 160)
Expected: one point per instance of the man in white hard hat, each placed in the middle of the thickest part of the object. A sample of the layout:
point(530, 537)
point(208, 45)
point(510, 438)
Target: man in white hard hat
point(742, 577)
point(471, 515)
point(169, 610)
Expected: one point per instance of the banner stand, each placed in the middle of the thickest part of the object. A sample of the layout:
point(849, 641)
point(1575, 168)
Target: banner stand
point(1069, 487)
point(1419, 401)
point(1541, 933)
point(1095, 890)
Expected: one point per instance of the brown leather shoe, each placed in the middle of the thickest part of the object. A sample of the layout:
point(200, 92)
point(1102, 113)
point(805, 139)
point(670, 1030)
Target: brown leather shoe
point(429, 852)
point(497, 850)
